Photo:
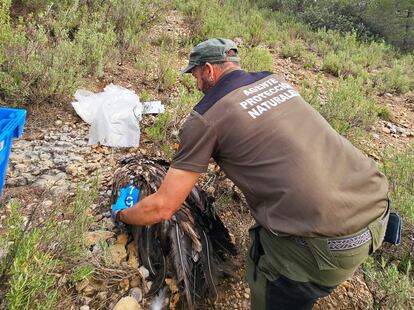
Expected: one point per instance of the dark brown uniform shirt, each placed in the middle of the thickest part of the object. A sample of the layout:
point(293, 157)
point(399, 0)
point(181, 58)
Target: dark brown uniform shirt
point(299, 176)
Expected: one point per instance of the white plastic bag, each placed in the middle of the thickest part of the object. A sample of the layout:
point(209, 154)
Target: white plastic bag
point(113, 114)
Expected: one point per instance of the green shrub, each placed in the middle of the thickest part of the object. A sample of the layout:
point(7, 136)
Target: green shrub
point(82, 272)
point(256, 29)
point(394, 79)
point(45, 56)
point(310, 60)
point(256, 59)
point(384, 113)
point(164, 130)
point(159, 130)
point(391, 289)
point(399, 169)
point(30, 275)
point(348, 108)
point(342, 64)
point(341, 16)
point(165, 70)
point(310, 93)
point(38, 250)
point(282, 29)
point(131, 19)
point(212, 19)
point(96, 40)
point(192, 8)
point(5, 13)
point(294, 49)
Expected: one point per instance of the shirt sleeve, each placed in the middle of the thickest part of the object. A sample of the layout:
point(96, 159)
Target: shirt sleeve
point(197, 141)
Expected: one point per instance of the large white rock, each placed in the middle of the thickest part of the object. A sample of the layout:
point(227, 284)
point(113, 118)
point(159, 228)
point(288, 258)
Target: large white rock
point(127, 303)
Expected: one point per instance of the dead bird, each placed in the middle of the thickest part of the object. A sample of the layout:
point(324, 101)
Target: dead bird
point(192, 247)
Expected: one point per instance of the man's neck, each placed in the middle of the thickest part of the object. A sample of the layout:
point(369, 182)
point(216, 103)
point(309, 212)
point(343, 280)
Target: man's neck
point(227, 71)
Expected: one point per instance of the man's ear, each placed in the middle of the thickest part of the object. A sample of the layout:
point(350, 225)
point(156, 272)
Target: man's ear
point(210, 70)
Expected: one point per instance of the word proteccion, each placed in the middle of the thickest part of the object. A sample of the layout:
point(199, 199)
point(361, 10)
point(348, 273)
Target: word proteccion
point(274, 94)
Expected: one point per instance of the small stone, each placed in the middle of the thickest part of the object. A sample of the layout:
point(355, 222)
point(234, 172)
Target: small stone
point(144, 272)
point(124, 284)
point(94, 237)
point(149, 284)
point(71, 169)
point(86, 300)
point(81, 285)
point(102, 296)
point(84, 307)
point(127, 303)
point(232, 238)
point(122, 239)
point(58, 122)
point(132, 255)
point(89, 290)
point(386, 130)
point(118, 253)
point(47, 204)
point(135, 282)
point(136, 293)
point(98, 217)
point(247, 296)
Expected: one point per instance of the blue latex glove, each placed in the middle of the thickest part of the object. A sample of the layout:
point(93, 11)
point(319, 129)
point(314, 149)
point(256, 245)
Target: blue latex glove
point(128, 196)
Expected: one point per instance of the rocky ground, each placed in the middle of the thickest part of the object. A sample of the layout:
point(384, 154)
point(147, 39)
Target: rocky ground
point(53, 156)
point(56, 157)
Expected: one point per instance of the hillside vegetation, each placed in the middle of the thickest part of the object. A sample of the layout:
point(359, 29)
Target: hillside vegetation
point(48, 50)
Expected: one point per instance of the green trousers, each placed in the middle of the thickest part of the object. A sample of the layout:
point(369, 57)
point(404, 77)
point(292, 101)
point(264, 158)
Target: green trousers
point(314, 268)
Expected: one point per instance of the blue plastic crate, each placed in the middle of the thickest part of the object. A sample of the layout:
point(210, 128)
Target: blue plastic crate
point(11, 126)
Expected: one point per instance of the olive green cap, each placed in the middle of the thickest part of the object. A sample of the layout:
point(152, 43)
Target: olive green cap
point(212, 51)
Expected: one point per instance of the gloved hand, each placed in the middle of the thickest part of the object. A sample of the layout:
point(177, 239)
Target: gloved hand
point(128, 196)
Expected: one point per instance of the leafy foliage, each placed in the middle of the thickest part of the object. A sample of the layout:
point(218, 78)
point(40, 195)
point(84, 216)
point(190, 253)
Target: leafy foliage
point(37, 250)
point(257, 59)
point(399, 169)
point(44, 56)
point(347, 107)
point(394, 288)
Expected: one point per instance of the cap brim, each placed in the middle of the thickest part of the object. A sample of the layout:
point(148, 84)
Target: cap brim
point(188, 69)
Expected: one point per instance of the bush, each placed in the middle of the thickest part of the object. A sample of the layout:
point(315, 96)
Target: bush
point(214, 19)
point(165, 70)
point(293, 50)
point(5, 13)
point(37, 249)
point(394, 79)
point(256, 59)
point(45, 56)
point(164, 130)
point(341, 16)
point(341, 64)
point(255, 29)
point(393, 289)
point(399, 169)
point(310, 60)
point(310, 93)
point(348, 108)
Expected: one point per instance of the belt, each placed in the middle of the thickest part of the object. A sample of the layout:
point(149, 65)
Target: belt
point(341, 244)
